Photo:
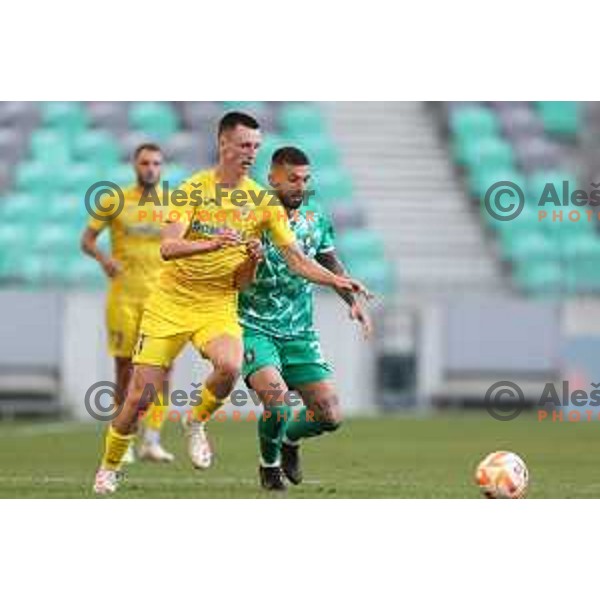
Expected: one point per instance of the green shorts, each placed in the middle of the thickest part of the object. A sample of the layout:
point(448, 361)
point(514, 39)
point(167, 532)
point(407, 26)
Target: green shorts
point(299, 360)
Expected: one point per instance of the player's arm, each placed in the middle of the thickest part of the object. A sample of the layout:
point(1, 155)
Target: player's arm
point(332, 263)
point(173, 244)
point(89, 246)
point(310, 269)
point(245, 274)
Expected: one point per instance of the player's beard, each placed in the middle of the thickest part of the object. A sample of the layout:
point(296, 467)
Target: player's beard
point(293, 202)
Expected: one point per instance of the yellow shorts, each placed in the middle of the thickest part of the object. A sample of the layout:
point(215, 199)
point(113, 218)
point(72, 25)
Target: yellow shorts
point(163, 336)
point(123, 319)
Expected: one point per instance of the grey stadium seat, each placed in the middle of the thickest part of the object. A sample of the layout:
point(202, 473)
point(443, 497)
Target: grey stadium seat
point(13, 143)
point(113, 116)
point(534, 153)
point(519, 121)
point(190, 149)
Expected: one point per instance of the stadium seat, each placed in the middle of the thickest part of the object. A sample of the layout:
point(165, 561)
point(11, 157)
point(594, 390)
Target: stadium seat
point(190, 149)
point(70, 118)
point(12, 144)
point(155, 119)
point(360, 245)
point(481, 180)
point(473, 122)
point(486, 153)
point(33, 177)
point(528, 245)
point(376, 274)
point(561, 118)
point(538, 182)
point(519, 120)
point(332, 186)
point(545, 277)
point(50, 146)
point(110, 116)
point(22, 208)
point(97, 147)
point(201, 118)
point(78, 177)
point(301, 119)
point(537, 153)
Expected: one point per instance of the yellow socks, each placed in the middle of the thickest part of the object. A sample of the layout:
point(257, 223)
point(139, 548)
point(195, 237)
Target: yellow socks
point(115, 447)
point(155, 416)
point(208, 406)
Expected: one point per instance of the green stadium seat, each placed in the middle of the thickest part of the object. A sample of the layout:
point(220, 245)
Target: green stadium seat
point(332, 185)
point(481, 180)
point(68, 117)
point(562, 118)
point(301, 119)
point(77, 178)
point(544, 277)
point(472, 122)
point(360, 245)
point(156, 119)
point(321, 151)
point(532, 245)
point(242, 105)
point(57, 238)
point(97, 147)
point(376, 274)
point(121, 174)
point(537, 187)
point(21, 208)
point(487, 153)
point(33, 177)
point(50, 146)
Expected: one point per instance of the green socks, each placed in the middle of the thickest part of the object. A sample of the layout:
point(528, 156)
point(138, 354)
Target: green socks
point(271, 428)
point(306, 425)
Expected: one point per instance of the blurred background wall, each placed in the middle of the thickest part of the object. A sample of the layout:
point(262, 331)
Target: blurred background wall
point(463, 300)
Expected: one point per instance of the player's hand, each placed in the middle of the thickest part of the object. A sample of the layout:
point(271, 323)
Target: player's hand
point(111, 267)
point(228, 238)
point(357, 313)
point(255, 250)
point(347, 284)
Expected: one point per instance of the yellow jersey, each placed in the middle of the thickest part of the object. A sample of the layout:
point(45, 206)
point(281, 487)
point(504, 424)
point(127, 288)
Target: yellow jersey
point(195, 289)
point(135, 244)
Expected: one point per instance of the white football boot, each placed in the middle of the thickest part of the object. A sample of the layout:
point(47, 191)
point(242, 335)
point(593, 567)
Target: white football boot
point(198, 446)
point(154, 453)
point(106, 482)
point(129, 456)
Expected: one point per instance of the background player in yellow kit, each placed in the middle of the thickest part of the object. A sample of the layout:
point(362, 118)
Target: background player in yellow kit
point(132, 268)
point(205, 242)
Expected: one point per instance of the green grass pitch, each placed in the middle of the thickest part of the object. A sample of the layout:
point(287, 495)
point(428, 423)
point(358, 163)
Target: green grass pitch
point(384, 457)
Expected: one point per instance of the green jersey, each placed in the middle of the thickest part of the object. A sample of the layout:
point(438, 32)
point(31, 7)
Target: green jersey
point(280, 303)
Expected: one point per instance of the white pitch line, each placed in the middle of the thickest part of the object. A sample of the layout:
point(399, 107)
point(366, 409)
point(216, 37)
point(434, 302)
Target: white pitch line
point(42, 429)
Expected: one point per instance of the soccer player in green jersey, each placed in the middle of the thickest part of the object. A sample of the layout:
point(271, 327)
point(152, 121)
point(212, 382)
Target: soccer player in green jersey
point(282, 351)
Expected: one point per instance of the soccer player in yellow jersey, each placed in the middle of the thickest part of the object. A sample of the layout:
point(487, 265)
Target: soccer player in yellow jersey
point(212, 230)
point(132, 269)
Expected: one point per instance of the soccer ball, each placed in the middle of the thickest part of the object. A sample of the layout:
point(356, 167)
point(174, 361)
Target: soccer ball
point(502, 475)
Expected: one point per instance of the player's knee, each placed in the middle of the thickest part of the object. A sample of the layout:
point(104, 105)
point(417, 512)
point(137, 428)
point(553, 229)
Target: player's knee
point(228, 370)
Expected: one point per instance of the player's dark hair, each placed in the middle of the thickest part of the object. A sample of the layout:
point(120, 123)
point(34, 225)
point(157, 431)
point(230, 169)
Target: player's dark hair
point(289, 155)
point(146, 146)
point(232, 119)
